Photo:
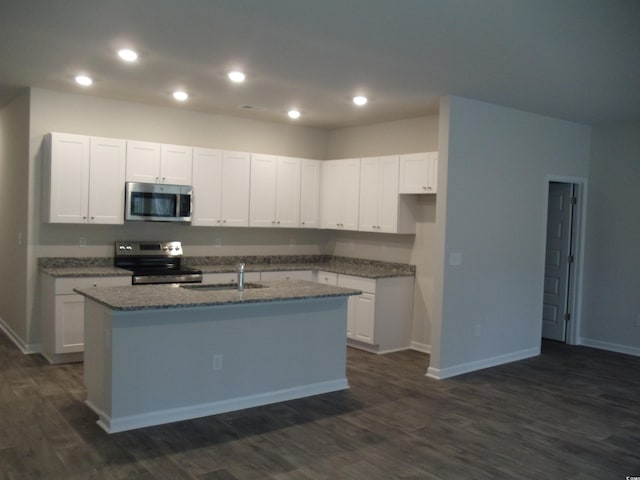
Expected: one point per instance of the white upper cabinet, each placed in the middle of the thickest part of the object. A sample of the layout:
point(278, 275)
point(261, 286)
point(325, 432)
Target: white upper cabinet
point(220, 188)
point(83, 179)
point(149, 162)
point(340, 194)
point(107, 162)
point(275, 191)
point(176, 164)
point(419, 172)
point(310, 193)
point(381, 209)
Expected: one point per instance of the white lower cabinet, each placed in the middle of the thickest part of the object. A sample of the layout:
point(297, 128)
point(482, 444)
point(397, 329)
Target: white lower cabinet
point(380, 319)
point(63, 314)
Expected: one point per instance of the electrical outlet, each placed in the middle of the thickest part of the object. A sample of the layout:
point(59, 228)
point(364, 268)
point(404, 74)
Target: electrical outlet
point(83, 241)
point(292, 242)
point(217, 361)
point(218, 243)
point(478, 330)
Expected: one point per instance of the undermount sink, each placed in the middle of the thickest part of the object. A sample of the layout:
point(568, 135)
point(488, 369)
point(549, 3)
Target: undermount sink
point(219, 286)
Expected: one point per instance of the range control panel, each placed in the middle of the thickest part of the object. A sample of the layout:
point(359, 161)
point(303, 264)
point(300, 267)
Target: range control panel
point(153, 249)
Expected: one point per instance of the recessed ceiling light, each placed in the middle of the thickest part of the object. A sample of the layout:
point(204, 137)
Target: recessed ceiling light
point(127, 55)
point(360, 100)
point(293, 114)
point(180, 95)
point(237, 77)
point(84, 80)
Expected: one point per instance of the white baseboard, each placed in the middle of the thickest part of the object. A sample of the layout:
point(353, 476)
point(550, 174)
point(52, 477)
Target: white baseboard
point(26, 348)
point(442, 373)
point(130, 422)
point(613, 347)
point(421, 347)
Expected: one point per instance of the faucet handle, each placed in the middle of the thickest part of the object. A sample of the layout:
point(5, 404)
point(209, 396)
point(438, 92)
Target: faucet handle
point(241, 267)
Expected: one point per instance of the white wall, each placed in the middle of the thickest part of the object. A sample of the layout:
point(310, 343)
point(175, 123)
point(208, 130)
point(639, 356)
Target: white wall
point(14, 144)
point(495, 167)
point(402, 136)
point(611, 302)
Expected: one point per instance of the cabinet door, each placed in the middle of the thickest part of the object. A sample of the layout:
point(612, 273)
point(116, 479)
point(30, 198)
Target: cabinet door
point(66, 176)
point(363, 328)
point(350, 193)
point(176, 164)
point(418, 172)
point(331, 197)
point(207, 181)
point(388, 195)
point(309, 193)
point(143, 162)
point(236, 178)
point(69, 328)
point(288, 192)
point(107, 162)
point(351, 316)
point(369, 194)
point(262, 209)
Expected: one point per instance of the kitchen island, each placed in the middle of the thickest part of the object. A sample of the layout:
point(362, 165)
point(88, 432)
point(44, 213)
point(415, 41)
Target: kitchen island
point(161, 353)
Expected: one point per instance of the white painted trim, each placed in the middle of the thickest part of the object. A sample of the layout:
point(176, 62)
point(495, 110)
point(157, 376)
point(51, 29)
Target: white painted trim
point(580, 222)
point(130, 422)
point(613, 347)
point(26, 348)
point(421, 347)
point(442, 373)
point(57, 358)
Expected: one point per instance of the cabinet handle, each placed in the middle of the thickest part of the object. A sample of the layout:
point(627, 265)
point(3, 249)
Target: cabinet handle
point(164, 179)
point(424, 188)
point(157, 179)
point(218, 221)
point(278, 222)
point(303, 223)
point(224, 221)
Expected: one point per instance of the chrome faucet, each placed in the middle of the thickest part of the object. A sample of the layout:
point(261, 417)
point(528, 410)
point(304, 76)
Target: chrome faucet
point(241, 277)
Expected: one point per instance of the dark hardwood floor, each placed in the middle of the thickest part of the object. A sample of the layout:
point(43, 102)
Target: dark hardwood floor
point(571, 413)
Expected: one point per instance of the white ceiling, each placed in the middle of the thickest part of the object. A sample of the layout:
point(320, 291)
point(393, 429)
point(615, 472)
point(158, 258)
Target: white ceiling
point(572, 59)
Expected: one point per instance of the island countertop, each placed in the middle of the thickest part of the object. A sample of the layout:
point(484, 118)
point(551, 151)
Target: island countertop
point(144, 297)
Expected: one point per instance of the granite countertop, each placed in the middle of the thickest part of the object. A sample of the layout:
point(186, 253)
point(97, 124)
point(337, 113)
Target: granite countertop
point(103, 266)
point(81, 267)
point(144, 297)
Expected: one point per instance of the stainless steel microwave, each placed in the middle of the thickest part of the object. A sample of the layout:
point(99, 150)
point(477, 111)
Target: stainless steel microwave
point(158, 202)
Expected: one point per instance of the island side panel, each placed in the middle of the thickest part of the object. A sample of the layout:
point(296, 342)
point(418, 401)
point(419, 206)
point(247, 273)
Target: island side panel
point(97, 358)
point(172, 364)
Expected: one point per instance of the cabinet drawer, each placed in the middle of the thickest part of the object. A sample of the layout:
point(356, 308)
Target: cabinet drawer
point(65, 286)
point(229, 277)
point(288, 275)
point(357, 283)
point(328, 278)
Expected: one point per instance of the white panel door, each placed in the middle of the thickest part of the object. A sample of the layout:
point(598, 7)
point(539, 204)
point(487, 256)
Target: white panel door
point(143, 162)
point(69, 328)
point(107, 162)
point(369, 194)
point(557, 264)
point(236, 178)
point(388, 195)
point(262, 206)
point(288, 193)
point(207, 180)
point(309, 193)
point(364, 317)
point(350, 193)
point(331, 197)
point(418, 172)
point(176, 164)
point(69, 183)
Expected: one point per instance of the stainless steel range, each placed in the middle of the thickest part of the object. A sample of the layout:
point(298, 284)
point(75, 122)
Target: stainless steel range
point(155, 262)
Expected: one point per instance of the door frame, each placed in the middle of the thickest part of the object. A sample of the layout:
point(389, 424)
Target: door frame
point(576, 276)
